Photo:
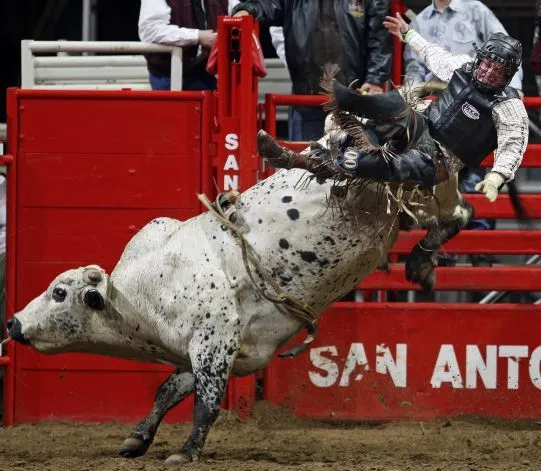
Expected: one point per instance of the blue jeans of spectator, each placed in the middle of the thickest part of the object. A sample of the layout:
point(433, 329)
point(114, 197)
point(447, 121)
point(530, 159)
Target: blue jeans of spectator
point(306, 124)
point(196, 82)
point(467, 181)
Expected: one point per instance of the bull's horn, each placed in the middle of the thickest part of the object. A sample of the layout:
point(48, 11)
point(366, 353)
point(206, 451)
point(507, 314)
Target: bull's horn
point(92, 276)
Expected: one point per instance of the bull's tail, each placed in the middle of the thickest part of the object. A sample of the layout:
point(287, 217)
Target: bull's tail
point(516, 203)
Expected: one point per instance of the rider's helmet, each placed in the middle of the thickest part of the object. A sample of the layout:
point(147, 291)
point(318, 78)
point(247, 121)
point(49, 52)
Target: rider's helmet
point(496, 62)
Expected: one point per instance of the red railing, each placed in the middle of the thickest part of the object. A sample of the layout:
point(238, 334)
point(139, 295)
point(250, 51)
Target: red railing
point(8, 360)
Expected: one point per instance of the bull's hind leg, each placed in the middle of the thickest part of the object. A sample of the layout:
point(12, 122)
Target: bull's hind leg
point(211, 364)
point(173, 390)
point(451, 215)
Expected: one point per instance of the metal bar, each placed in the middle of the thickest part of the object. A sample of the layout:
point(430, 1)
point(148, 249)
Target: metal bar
point(27, 65)
point(396, 72)
point(478, 242)
point(495, 296)
point(270, 114)
point(502, 208)
point(532, 102)
point(119, 47)
point(297, 100)
point(78, 74)
point(532, 157)
point(107, 95)
point(96, 86)
point(176, 68)
point(85, 28)
point(89, 61)
point(509, 278)
point(11, 251)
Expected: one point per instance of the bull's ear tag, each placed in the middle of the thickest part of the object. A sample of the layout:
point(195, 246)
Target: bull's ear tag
point(94, 300)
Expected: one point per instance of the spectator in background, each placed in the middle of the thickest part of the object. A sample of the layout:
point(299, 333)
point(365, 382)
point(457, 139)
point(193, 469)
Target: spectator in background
point(349, 33)
point(456, 25)
point(187, 23)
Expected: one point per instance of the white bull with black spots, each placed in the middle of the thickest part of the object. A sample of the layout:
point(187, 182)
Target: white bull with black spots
point(181, 295)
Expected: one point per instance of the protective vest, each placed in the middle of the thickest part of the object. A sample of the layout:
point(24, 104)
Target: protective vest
point(183, 14)
point(461, 118)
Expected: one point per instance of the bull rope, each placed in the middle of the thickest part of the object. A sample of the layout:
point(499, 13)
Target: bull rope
point(282, 300)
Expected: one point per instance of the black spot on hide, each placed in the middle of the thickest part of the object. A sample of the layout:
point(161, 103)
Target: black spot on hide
point(284, 244)
point(308, 256)
point(260, 221)
point(286, 199)
point(330, 240)
point(293, 214)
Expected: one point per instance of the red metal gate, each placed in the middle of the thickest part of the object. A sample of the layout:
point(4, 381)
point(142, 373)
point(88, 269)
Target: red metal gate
point(92, 168)
point(87, 171)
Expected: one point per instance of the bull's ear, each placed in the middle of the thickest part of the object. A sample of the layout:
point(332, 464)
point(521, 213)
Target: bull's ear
point(94, 300)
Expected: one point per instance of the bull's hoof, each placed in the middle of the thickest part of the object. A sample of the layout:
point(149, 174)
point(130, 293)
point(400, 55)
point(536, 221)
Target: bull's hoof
point(133, 447)
point(179, 459)
point(420, 266)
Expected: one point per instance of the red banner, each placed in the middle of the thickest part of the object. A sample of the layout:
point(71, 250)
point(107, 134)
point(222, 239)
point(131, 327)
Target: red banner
point(387, 361)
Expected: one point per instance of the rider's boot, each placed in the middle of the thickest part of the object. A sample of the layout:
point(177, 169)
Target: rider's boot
point(317, 160)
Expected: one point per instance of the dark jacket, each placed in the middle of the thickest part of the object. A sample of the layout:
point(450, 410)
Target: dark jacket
point(365, 44)
point(183, 15)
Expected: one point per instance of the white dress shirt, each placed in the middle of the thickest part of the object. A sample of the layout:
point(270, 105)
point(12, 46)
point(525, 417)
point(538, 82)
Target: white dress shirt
point(155, 25)
point(510, 117)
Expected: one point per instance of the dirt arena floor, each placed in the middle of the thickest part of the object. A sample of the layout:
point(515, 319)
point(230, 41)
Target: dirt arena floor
point(274, 440)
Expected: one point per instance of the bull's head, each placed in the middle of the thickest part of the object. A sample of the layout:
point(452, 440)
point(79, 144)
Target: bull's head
point(66, 314)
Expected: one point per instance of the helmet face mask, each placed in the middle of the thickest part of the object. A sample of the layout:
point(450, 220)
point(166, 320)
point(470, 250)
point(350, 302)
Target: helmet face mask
point(496, 62)
point(491, 74)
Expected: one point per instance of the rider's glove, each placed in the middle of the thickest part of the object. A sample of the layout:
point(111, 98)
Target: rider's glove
point(347, 161)
point(491, 185)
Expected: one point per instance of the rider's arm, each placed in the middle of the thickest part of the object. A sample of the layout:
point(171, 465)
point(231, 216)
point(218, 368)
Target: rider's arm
point(269, 12)
point(511, 122)
point(415, 70)
point(441, 62)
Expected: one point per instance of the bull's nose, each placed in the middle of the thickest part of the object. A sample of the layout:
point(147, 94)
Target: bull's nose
point(15, 330)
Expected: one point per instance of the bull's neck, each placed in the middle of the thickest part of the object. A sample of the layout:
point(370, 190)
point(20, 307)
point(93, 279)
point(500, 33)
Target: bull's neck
point(119, 329)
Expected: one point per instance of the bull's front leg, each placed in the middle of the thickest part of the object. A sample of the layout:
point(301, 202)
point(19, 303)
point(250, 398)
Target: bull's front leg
point(212, 361)
point(422, 260)
point(172, 391)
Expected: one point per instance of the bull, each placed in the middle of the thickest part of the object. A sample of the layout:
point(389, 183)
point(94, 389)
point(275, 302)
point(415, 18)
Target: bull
point(183, 293)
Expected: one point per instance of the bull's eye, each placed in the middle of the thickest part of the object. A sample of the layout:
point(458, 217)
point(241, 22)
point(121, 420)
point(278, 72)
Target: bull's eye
point(59, 294)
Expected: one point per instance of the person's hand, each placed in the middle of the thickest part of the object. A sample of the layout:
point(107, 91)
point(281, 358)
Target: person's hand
point(370, 89)
point(241, 13)
point(207, 37)
point(490, 185)
point(396, 26)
